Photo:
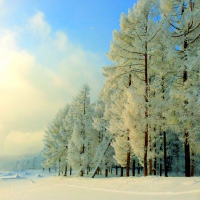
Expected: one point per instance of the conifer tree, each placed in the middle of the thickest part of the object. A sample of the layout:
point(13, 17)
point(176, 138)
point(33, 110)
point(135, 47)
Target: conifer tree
point(131, 50)
point(103, 158)
point(56, 141)
point(182, 18)
point(79, 145)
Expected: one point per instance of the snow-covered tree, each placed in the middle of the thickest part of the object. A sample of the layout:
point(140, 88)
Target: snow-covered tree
point(149, 106)
point(183, 20)
point(132, 50)
point(56, 141)
point(80, 144)
point(103, 159)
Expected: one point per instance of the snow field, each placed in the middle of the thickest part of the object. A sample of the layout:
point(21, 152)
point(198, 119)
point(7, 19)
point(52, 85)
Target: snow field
point(37, 185)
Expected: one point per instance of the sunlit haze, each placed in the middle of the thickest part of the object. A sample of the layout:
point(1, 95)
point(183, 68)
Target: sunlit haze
point(48, 49)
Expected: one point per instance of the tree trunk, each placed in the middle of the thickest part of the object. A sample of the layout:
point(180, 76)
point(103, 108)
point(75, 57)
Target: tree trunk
point(70, 171)
point(59, 167)
point(116, 168)
point(65, 173)
point(160, 167)
point(161, 149)
point(192, 163)
point(128, 156)
point(106, 173)
point(186, 142)
point(187, 156)
point(122, 171)
point(150, 160)
point(87, 170)
point(96, 172)
point(145, 152)
point(146, 112)
point(165, 154)
point(133, 168)
point(128, 163)
point(150, 166)
point(155, 159)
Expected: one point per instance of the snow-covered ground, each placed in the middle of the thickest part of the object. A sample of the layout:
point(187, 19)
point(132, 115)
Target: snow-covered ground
point(38, 185)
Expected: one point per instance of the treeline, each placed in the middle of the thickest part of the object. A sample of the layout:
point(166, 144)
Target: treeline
point(23, 162)
point(148, 110)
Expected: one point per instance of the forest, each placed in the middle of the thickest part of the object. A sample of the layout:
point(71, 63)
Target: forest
point(147, 114)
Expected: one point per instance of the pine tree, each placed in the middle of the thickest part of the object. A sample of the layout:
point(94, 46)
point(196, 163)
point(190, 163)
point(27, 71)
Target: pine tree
point(56, 141)
point(79, 145)
point(132, 50)
point(103, 158)
point(182, 18)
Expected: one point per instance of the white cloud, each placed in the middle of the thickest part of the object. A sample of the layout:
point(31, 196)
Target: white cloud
point(33, 86)
point(39, 26)
point(61, 41)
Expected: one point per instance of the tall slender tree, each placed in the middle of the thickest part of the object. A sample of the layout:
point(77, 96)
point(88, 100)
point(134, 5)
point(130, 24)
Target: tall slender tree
point(182, 18)
point(79, 146)
point(131, 49)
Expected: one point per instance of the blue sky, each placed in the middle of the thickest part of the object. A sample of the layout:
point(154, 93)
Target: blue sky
point(88, 23)
point(48, 50)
